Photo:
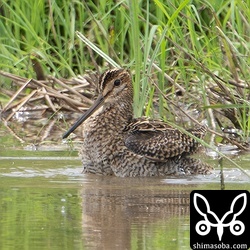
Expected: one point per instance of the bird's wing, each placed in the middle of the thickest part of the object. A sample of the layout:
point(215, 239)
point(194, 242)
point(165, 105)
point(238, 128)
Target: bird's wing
point(158, 141)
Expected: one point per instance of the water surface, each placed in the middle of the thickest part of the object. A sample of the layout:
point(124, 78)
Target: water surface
point(47, 203)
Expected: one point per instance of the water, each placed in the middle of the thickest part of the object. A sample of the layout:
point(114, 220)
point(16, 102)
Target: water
point(47, 203)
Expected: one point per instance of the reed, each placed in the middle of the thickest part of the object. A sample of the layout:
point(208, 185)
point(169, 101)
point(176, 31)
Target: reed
point(197, 52)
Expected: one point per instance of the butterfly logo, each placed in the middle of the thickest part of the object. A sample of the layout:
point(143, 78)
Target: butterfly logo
point(203, 227)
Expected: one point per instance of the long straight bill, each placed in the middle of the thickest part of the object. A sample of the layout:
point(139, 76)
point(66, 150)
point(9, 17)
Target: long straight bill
point(87, 114)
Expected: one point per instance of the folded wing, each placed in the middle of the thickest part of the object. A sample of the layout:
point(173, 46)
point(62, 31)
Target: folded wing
point(158, 141)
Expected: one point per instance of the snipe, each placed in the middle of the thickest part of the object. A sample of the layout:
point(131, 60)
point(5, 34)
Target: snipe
point(115, 143)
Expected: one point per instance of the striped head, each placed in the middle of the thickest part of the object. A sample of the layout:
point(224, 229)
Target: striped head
point(115, 84)
point(115, 89)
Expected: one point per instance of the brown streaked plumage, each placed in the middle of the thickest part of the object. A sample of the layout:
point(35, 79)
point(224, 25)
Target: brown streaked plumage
point(115, 143)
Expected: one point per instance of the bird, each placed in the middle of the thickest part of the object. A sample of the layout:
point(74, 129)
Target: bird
point(116, 143)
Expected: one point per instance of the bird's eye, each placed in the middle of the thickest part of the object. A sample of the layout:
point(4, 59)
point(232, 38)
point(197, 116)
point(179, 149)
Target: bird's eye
point(117, 82)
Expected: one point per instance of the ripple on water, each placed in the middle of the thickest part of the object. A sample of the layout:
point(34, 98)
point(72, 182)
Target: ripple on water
point(74, 173)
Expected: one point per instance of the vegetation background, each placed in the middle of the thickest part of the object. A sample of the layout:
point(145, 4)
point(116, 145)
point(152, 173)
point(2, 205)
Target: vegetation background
point(193, 53)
